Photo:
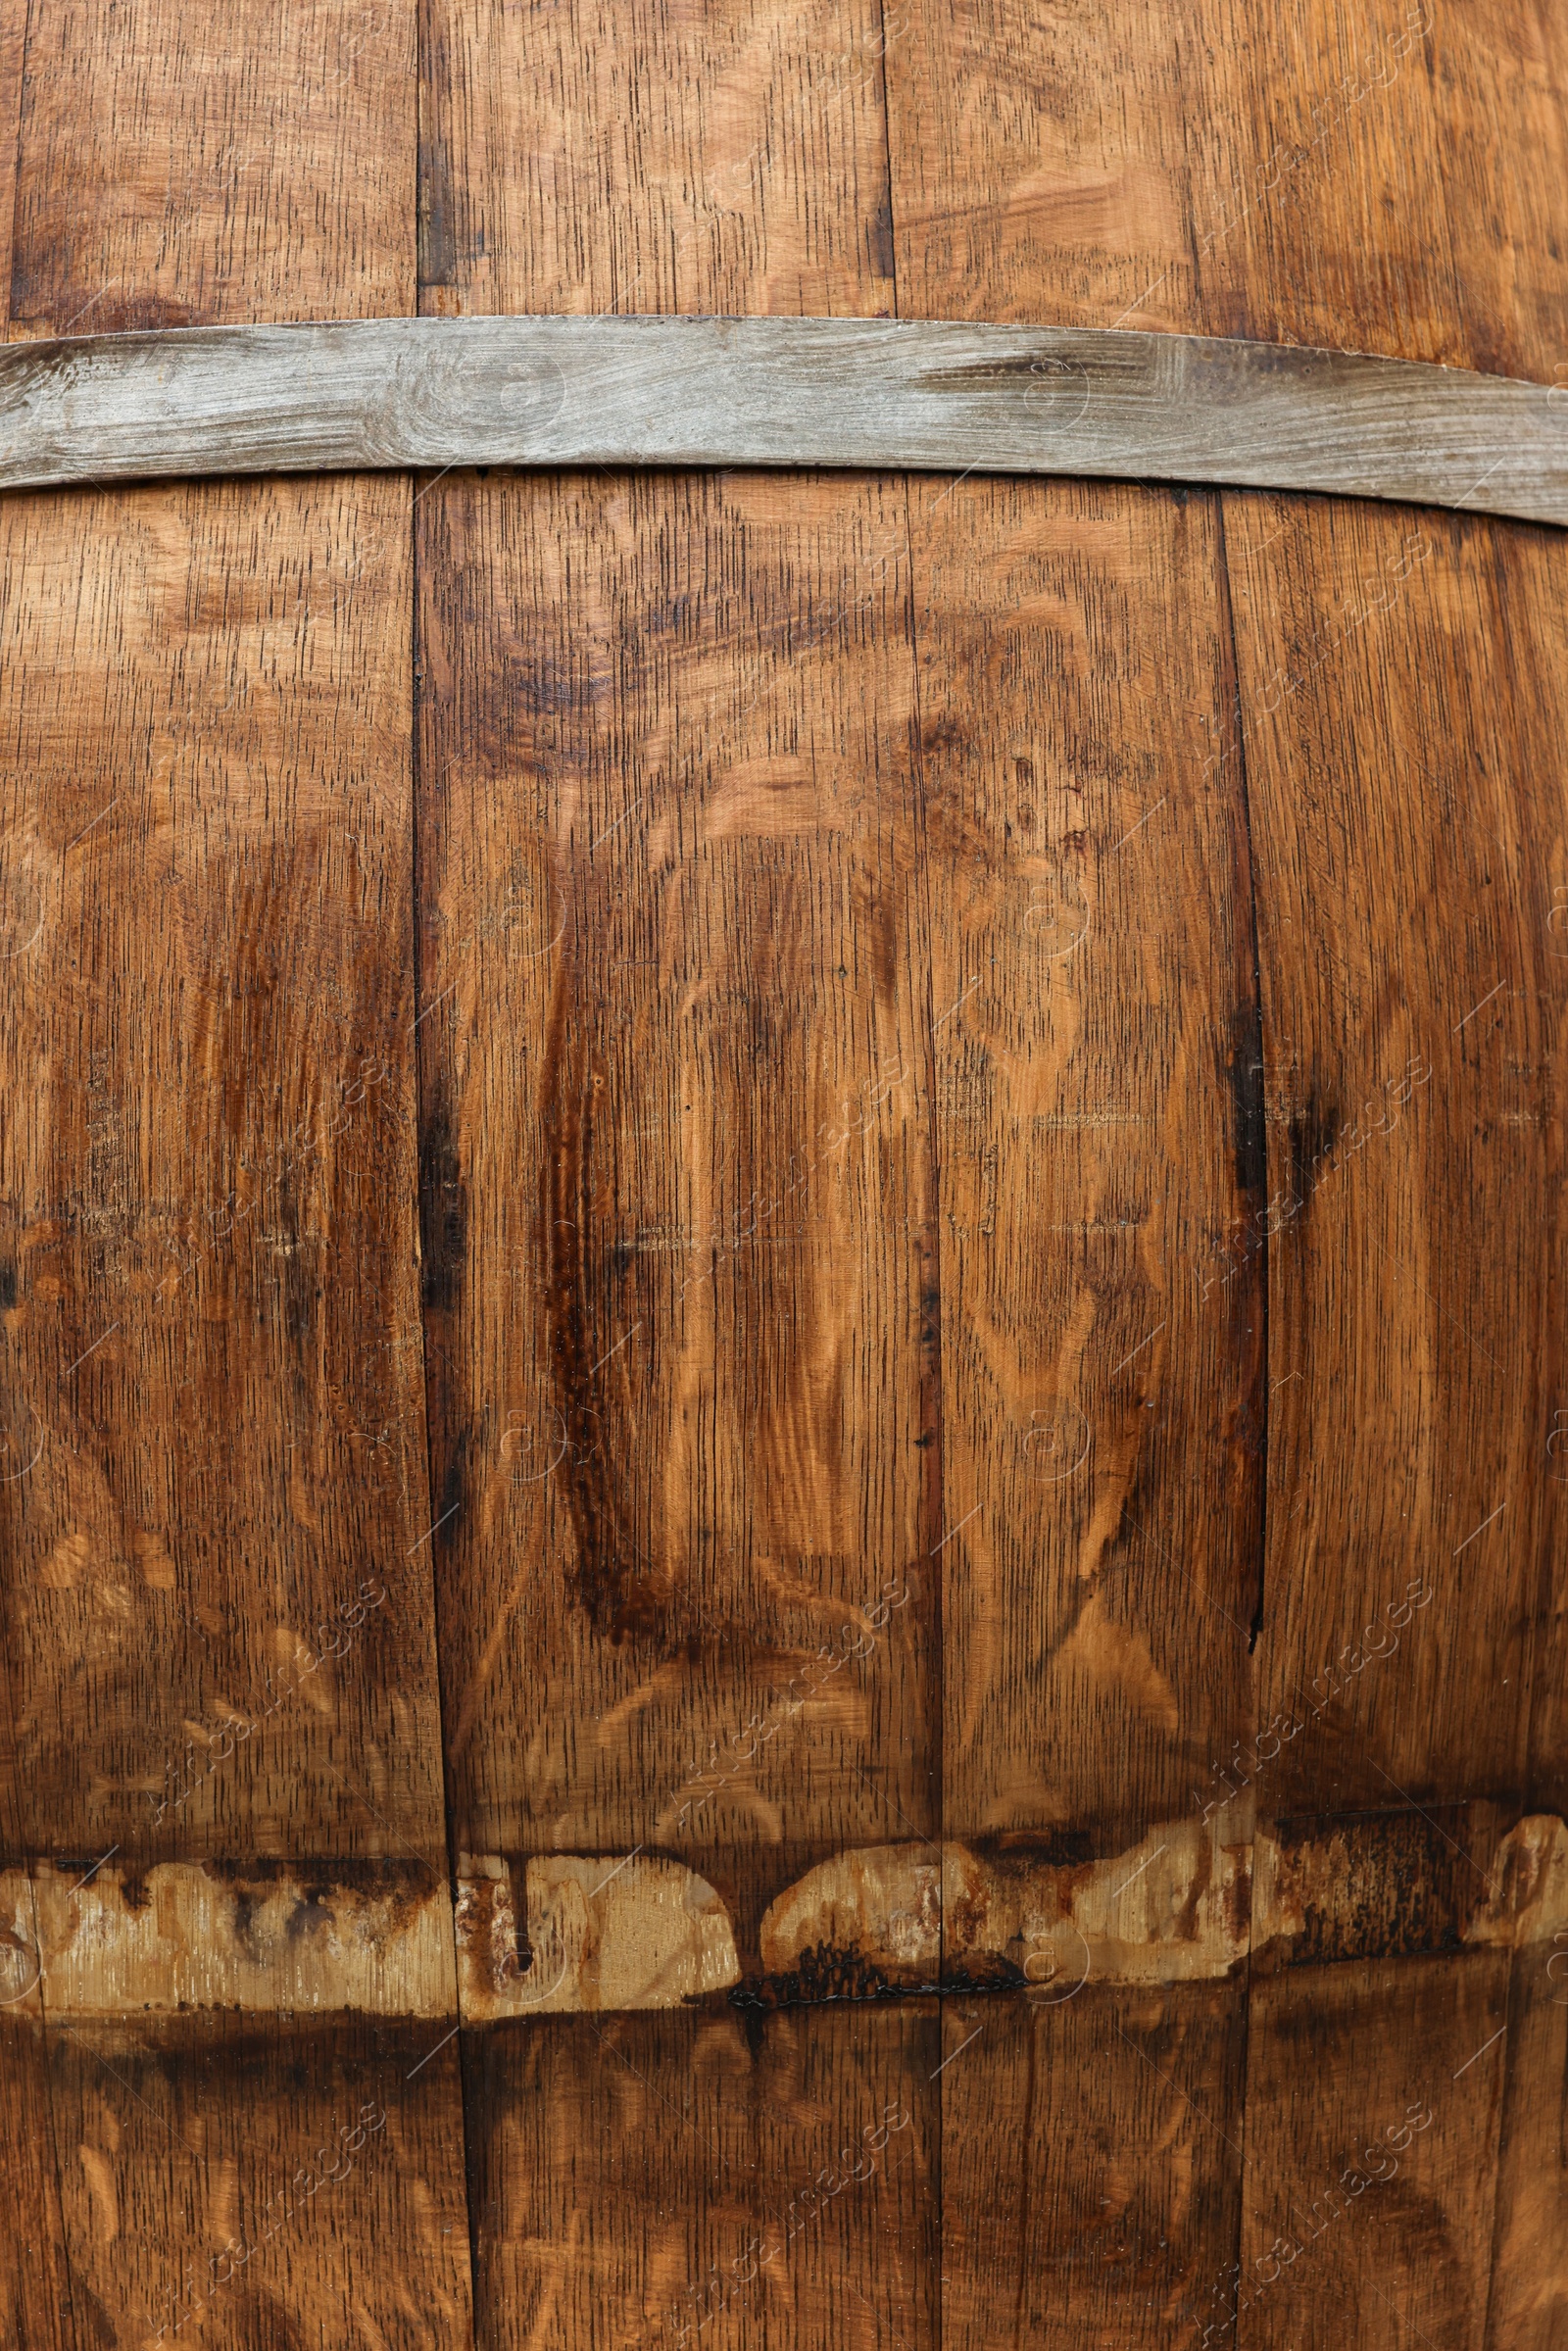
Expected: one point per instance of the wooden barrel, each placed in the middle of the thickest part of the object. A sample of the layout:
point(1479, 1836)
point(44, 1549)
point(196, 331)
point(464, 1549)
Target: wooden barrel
point(784, 1250)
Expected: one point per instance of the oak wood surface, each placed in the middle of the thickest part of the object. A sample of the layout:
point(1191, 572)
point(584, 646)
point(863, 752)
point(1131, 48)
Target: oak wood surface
point(1407, 1319)
point(1374, 2096)
point(1527, 2302)
point(176, 167)
point(214, 1350)
point(1527, 585)
point(729, 158)
point(207, 808)
point(1092, 2163)
point(586, 641)
point(35, 2286)
point(1092, 975)
point(673, 1008)
point(1369, 179)
point(249, 2182)
point(650, 2181)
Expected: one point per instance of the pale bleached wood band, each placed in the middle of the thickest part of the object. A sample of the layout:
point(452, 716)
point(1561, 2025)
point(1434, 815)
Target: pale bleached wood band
point(776, 392)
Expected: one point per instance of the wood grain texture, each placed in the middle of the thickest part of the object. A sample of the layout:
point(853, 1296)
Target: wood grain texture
point(1529, 2297)
point(784, 392)
point(1376, 180)
point(1408, 1324)
point(218, 1608)
point(1532, 631)
point(771, 2181)
point(1392, 188)
point(1321, 211)
point(1091, 2164)
point(1373, 2101)
point(13, 44)
point(179, 166)
point(740, 1201)
point(1039, 162)
point(678, 1190)
point(729, 158)
point(35, 2307)
point(1093, 984)
point(280, 2183)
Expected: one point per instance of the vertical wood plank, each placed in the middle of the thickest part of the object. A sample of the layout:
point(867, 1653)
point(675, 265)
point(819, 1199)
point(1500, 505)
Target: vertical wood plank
point(1529, 2299)
point(1040, 163)
point(727, 158)
point(218, 1607)
point(1401, 965)
point(1321, 211)
point(183, 167)
point(36, 2305)
point(677, 1188)
point(1505, 151)
point(13, 48)
point(1528, 571)
point(286, 2182)
point(1097, 1089)
point(1090, 2163)
point(1373, 2097)
point(762, 2181)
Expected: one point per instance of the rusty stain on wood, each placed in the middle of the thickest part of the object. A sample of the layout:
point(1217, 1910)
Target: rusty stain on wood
point(596, 1933)
point(608, 1934)
point(270, 1937)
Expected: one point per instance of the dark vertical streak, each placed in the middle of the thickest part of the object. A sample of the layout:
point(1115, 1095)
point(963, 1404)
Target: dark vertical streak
point(1246, 1064)
point(1032, 2020)
point(931, 1415)
point(884, 228)
point(1542, 1775)
point(930, 1299)
point(436, 247)
point(48, 2091)
point(1252, 1143)
point(16, 176)
point(433, 1485)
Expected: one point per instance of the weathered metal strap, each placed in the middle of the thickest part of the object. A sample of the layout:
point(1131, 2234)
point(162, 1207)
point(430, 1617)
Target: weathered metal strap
point(777, 392)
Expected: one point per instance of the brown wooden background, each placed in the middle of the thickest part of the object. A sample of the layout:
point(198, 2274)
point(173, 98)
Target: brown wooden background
point(638, 1062)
